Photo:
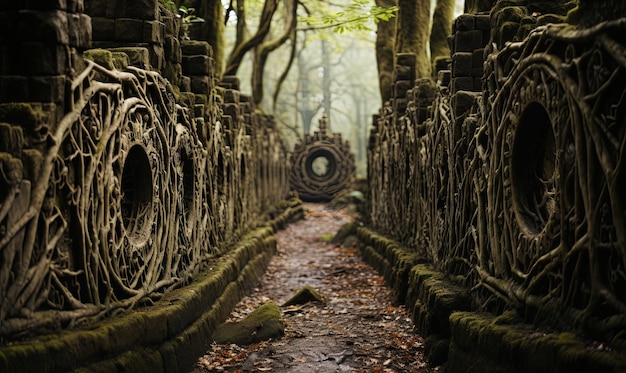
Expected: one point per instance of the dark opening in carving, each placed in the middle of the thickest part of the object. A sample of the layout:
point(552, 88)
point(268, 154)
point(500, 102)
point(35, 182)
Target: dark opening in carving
point(321, 165)
point(533, 166)
point(137, 190)
point(188, 183)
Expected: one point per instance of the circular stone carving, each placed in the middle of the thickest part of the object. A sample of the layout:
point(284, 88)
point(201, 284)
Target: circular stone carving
point(322, 165)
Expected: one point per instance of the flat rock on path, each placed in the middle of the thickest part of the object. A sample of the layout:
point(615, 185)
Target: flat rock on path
point(357, 329)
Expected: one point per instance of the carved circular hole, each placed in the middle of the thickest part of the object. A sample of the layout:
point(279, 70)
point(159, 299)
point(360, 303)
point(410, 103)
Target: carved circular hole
point(321, 165)
point(137, 190)
point(533, 164)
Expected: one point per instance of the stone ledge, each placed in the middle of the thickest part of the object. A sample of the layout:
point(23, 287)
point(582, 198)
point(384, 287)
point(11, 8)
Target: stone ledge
point(487, 344)
point(167, 336)
point(391, 259)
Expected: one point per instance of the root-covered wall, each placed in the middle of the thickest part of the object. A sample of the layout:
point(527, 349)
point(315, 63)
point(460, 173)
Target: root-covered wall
point(507, 174)
point(125, 167)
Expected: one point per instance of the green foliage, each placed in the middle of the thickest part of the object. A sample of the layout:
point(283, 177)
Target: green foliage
point(187, 16)
point(352, 17)
point(169, 4)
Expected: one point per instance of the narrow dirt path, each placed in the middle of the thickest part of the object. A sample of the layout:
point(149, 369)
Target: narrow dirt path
point(358, 329)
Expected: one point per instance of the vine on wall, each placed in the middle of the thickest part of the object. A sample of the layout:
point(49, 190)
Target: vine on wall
point(519, 196)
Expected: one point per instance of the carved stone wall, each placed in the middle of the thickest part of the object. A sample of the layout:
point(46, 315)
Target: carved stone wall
point(123, 172)
point(514, 187)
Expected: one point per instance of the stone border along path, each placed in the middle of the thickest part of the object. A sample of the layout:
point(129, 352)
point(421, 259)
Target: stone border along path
point(358, 329)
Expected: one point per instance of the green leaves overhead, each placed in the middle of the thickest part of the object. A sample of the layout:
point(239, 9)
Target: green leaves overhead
point(356, 16)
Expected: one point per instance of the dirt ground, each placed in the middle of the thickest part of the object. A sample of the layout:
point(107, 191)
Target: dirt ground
point(357, 329)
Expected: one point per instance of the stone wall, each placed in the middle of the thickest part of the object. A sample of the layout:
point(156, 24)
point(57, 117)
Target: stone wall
point(502, 178)
point(127, 167)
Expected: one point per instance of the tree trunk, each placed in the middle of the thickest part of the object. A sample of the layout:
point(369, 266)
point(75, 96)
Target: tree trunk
point(326, 82)
point(475, 6)
point(385, 42)
point(442, 28)
point(413, 32)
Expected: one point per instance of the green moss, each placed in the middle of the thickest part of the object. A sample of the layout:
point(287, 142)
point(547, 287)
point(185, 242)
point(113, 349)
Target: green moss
point(27, 115)
point(507, 318)
point(327, 237)
point(102, 57)
point(262, 324)
point(303, 295)
point(120, 60)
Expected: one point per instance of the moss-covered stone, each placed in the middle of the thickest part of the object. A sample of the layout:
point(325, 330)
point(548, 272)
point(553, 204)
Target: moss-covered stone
point(303, 295)
point(485, 343)
point(102, 57)
point(27, 115)
point(262, 324)
point(345, 231)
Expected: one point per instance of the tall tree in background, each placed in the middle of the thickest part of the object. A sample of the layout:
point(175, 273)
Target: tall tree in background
point(413, 33)
point(441, 29)
point(385, 55)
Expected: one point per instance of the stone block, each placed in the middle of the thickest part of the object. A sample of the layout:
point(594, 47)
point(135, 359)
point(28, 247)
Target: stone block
point(230, 82)
point(39, 59)
point(478, 61)
point(96, 8)
point(400, 87)
point(128, 29)
point(47, 88)
point(79, 30)
point(482, 22)
point(185, 84)
point(195, 47)
point(478, 83)
point(157, 56)
point(196, 65)
point(468, 41)
point(50, 27)
point(137, 56)
point(464, 22)
point(465, 83)
point(461, 102)
point(406, 59)
point(172, 49)
point(462, 64)
point(200, 84)
point(13, 88)
point(172, 72)
point(153, 32)
point(116, 9)
point(231, 96)
point(142, 9)
point(103, 28)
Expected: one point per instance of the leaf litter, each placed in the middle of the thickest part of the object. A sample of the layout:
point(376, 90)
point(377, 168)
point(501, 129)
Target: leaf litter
point(357, 329)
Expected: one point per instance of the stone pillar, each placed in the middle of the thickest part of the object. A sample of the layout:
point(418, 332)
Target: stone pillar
point(40, 45)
